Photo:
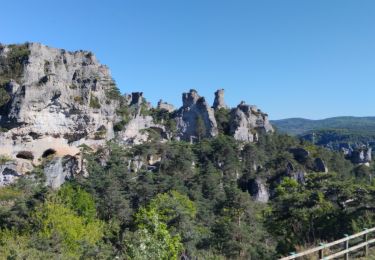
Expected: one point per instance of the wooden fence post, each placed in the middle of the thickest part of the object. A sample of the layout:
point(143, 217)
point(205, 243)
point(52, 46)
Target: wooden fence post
point(346, 247)
point(366, 240)
point(321, 251)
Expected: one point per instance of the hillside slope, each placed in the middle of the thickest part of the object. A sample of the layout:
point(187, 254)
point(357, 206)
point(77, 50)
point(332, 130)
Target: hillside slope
point(300, 126)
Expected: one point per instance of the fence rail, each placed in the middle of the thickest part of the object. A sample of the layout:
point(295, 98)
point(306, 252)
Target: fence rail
point(346, 250)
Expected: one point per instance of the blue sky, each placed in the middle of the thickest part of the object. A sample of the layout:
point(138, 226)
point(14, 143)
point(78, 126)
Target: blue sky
point(292, 58)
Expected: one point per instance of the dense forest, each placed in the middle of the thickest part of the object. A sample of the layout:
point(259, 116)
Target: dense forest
point(195, 202)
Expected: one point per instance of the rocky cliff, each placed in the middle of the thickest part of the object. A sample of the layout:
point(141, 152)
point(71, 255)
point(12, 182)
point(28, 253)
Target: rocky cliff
point(53, 101)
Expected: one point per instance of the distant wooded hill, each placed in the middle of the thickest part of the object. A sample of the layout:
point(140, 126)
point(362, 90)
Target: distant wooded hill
point(360, 130)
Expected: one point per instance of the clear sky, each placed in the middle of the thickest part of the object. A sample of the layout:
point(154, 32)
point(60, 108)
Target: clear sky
point(292, 58)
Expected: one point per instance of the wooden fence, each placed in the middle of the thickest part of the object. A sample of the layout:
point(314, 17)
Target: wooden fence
point(324, 251)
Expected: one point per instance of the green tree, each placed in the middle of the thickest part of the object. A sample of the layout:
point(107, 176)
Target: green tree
point(54, 219)
point(200, 127)
point(152, 239)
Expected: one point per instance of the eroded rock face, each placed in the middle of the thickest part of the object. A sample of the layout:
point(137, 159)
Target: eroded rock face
point(320, 165)
point(361, 155)
point(52, 101)
point(219, 100)
point(56, 100)
point(247, 121)
point(165, 106)
point(195, 118)
point(296, 174)
point(59, 93)
point(61, 169)
point(300, 154)
point(8, 173)
point(137, 130)
point(259, 191)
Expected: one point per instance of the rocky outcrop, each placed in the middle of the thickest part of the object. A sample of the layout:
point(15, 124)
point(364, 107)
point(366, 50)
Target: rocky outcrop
point(300, 154)
point(247, 122)
point(8, 173)
point(60, 169)
point(58, 93)
point(52, 101)
point(294, 173)
point(361, 155)
point(165, 106)
point(195, 119)
point(56, 100)
point(219, 100)
point(138, 129)
point(320, 165)
point(259, 191)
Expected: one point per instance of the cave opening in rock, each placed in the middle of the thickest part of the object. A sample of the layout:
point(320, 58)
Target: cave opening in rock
point(48, 152)
point(25, 155)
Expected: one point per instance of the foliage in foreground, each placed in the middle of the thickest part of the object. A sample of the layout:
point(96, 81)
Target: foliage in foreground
point(195, 203)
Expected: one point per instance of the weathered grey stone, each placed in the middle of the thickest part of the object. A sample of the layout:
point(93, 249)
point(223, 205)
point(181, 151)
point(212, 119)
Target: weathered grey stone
point(296, 174)
point(195, 108)
point(165, 106)
point(135, 131)
point(300, 154)
point(59, 101)
point(8, 173)
point(361, 155)
point(259, 190)
point(320, 165)
point(247, 121)
point(219, 100)
point(61, 169)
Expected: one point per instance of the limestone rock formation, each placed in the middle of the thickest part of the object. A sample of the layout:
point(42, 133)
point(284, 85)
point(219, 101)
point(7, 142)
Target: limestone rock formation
point(320, 165)
point(300, 154)
point(259, 190)
point(55, 100)
point(8, 173)
point(361, 155)
point(247, 121)
point(52, 101)
point(219, 100)
point(138, 129)
point(195, 119)
point(296, 174)
point(165, 106)
point(61, 169)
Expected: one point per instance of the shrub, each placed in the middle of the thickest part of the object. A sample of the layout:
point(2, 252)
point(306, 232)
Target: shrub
point(94, 102)
point(4, 97)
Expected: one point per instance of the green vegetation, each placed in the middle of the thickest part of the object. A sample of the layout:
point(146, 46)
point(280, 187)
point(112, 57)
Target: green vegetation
point(200, 127)
point(4, 159)
point(4, 97)
point(11, 66)
point(195, 201)
point(299, 126)
point(222, 118)
point(94, 102)
point(113, 93)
